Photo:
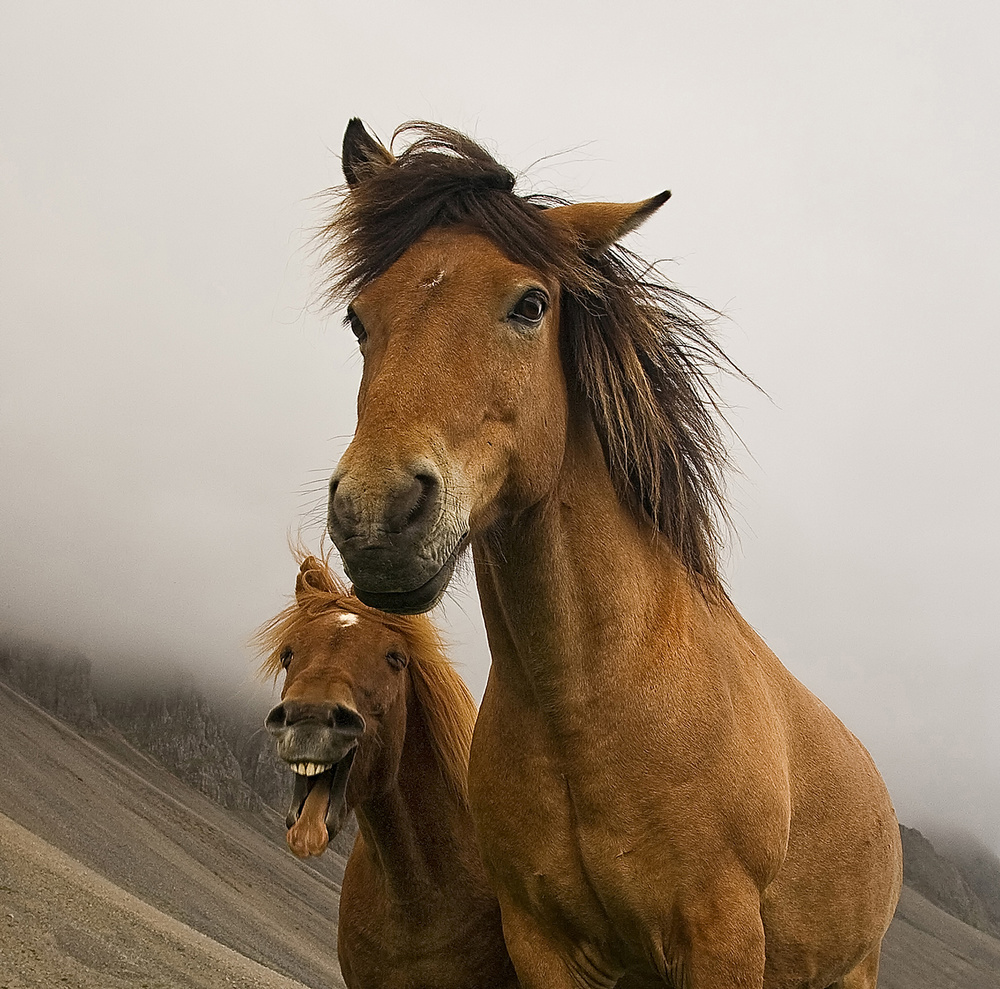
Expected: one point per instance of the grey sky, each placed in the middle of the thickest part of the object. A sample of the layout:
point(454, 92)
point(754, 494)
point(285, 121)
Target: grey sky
point(170, 408)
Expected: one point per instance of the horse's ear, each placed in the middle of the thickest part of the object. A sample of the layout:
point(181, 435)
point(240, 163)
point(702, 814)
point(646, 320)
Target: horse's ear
point(312, 576)
point(599, 225)
point(362, 154)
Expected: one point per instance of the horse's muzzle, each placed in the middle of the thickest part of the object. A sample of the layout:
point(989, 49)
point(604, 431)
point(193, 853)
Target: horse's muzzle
point(398, 543)
point(312, 737)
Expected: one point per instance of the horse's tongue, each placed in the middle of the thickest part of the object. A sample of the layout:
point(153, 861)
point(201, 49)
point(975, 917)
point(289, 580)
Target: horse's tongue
point(308, 835)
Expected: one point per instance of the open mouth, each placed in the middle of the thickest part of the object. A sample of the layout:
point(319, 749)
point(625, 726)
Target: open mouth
point(422, 598)
point(319, 804)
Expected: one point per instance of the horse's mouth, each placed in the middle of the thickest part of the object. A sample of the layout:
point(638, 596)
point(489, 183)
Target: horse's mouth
point(305, 782)
point(420, 599)
point(319, 804)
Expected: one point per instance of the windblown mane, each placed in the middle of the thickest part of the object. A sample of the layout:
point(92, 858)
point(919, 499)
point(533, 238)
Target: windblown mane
point(447, 706)
point(636, 350)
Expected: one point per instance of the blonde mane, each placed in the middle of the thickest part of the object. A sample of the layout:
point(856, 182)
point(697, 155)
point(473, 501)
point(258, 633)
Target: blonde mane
point(448, 709)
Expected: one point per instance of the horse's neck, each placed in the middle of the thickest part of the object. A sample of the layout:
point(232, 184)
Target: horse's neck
point(417, 828)
point(571, 586)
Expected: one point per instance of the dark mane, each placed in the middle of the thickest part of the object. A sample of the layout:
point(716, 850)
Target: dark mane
point(636, 350)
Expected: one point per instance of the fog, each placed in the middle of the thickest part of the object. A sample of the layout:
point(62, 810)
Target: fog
point(171, 402)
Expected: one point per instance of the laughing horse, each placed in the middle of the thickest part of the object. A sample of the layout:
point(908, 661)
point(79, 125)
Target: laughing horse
point(374, 719)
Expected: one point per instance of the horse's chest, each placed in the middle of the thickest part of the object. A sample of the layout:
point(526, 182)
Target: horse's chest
point(557, 844)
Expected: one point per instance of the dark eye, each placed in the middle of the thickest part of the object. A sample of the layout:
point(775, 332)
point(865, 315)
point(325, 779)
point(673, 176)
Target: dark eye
point(396, 660)
point(286, 657)
point(357, 327)
point(530, 308)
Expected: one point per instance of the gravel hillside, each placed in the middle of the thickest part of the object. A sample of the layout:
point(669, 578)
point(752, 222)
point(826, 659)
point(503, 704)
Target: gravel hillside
point(153, 876)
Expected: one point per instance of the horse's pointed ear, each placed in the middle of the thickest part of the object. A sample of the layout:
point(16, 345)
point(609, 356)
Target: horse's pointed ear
point(362, 154)
point(599, 225)
point(312, 576)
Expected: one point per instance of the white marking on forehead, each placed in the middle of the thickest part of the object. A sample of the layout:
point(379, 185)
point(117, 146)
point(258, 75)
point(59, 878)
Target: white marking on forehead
point(346, 618)
point(432, 281)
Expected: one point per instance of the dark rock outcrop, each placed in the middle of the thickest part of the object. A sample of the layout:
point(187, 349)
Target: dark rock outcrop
point(56, 680)
point(980, 869)
point(220, 752)
point(970, 893)
point(181, 729)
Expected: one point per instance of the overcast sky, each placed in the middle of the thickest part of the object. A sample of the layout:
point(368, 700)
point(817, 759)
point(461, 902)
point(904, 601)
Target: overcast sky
point(171, 406)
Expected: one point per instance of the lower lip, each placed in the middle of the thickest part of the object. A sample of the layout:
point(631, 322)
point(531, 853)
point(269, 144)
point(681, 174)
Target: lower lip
point(422, 599)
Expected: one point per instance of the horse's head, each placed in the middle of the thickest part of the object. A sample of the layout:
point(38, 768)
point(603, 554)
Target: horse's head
point(463, 407)
point(342, 716)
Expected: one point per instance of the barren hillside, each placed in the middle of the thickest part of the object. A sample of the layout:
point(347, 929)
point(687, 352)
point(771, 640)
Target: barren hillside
point(154, 878)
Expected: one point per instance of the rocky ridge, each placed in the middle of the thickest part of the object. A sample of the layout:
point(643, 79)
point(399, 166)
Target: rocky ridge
point(964, 883)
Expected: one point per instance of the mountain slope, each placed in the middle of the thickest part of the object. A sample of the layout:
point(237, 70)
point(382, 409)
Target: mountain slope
point(929, 949)
point(64, 923)
point(154, 837)
point(944, 882)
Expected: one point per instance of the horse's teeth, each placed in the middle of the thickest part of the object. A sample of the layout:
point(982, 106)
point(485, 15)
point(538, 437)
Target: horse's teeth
point(309, 768)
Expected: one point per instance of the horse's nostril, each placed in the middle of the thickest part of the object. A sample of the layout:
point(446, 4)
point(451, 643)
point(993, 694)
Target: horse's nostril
point(342, 515)
point(429, 484)
point(293, 716)
point(275, 719)
point(412, 502)
point(347, 721)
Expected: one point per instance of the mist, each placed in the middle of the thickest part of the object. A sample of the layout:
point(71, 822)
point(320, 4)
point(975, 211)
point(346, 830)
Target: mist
point(172, 401)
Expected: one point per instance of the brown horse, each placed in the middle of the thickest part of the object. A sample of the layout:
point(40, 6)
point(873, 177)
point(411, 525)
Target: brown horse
point(374, 719)
point(653, 792)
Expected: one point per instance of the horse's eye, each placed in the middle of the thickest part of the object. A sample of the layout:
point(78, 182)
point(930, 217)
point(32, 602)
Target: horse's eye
point(396, 660)
point(286, 657)
point(357, 327)
point(530, 308)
